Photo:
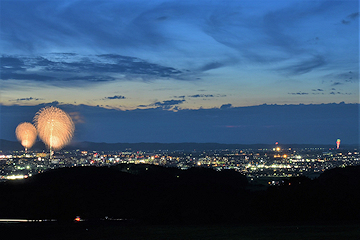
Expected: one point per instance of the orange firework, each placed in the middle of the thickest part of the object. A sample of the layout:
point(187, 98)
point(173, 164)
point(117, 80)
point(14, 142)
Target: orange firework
point(26, 134)
point(54, 126)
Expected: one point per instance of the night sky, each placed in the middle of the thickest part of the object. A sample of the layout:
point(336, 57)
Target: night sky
point(184, 71)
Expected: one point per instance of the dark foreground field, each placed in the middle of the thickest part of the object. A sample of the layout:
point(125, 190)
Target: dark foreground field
point(169, 203)
point(57, 231)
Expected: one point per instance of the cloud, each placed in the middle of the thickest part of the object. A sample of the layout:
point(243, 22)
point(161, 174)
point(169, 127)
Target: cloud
point(211, 34)
point(304, 66)
point(343, 77)
point(206, 95)
point(271, 34)
point(226, 106)
point(72, 69)
point(26, 99)
point(9, 63)
point(350, 17)
point(318, 91)
point(299, 93)
point(354, 15)
point(211, 66)
point(167, 104)
point(76, 117)
point(90, 79)
point(339, 93)
point(201, 96)
point(116, 97)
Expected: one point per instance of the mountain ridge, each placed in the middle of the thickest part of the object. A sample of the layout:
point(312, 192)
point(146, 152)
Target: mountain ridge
point(6, 145)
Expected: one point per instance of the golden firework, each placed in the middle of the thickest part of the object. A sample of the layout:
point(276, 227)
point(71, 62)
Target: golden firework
point(26, 134)
point(54, 126)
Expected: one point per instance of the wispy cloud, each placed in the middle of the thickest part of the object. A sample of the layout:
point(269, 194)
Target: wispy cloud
point(206, 95)
point(350, 18)
point(344, 77)
point(299, 93)
point(304, 66)
point(201, 96)
point(26, 99)
point(340, 93)
point(183, 96)
point(211, 66)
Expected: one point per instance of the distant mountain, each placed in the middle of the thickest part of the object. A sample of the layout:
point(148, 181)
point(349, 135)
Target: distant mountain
point(6, 145)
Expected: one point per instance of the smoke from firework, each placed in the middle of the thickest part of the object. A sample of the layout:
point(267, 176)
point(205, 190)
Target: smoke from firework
point(26, 134)
point(55, 127)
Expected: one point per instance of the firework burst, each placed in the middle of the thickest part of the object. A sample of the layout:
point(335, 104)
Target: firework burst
point(26, 134)
point(54, 126)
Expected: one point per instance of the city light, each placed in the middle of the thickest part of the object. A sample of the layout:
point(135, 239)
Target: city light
point(16, 177)
point(252, 163)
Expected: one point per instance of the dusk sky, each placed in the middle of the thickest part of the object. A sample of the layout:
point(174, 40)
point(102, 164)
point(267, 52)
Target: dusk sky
point(184, 71)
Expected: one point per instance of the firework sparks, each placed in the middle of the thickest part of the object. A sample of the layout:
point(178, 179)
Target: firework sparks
point(54, 126)
point(26, 134)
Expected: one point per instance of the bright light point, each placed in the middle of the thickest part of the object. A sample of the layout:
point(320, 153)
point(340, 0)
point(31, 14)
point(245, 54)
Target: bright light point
point(15, 177)
point(338, 143)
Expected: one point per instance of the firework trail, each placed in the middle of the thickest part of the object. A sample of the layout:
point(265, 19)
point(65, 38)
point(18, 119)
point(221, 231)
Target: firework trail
point(54, 126)
point(26, 134)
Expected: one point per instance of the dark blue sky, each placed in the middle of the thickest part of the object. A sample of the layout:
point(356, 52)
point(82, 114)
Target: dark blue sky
point(184, 71)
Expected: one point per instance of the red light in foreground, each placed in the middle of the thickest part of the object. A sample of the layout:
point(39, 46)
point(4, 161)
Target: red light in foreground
point(77, 219)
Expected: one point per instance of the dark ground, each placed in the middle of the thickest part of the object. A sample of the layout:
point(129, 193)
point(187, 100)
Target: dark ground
point(56, 231)
point(168, 203)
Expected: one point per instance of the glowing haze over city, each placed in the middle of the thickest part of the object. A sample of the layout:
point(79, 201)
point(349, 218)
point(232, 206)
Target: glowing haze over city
point(184, 71)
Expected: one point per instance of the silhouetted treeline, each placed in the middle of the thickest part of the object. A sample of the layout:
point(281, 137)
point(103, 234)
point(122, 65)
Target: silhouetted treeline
point(154, 194)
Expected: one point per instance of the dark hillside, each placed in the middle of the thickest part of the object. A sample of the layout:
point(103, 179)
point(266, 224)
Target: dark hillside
point(154, 194)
